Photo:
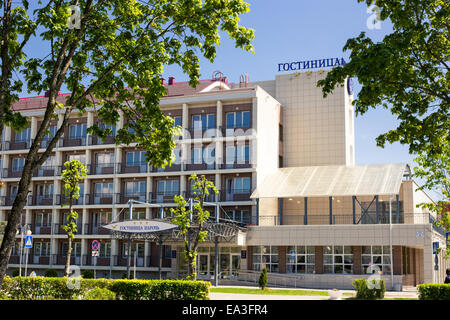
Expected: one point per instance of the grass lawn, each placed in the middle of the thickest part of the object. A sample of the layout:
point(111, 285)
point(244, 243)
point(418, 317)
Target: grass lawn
point(274, 291)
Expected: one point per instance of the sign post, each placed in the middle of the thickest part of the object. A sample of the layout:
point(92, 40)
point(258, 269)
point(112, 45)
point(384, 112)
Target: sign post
point(28, 245)
point(95, 247)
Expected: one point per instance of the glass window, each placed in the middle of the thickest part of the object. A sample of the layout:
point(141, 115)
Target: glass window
point(23, 136)
point(45, 191)
point(300, 259)
point(338, 259)
point(177, 121)
point(265, 256)
point(135, 187)
point(376, 259)
point(77, 131)
point(102, 218)
point(196, 155)
point(105, 158)
point(241, 185)
point(239, 119)
point(79, 157)
point(203, 121)
point(105, 250)
point(135, 158)
point(168, 187)
point(17, 164)
point(104, 188)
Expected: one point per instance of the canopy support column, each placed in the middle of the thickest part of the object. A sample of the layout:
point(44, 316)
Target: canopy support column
point(305, 222)
point(397, 210)
point(331, 210)
point(354, 208)
point(280, 211)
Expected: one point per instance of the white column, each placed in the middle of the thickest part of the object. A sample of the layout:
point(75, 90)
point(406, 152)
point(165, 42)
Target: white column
point(149, 190)
point(84, 250)
point(33, 130)
point(219, 114)
point(183, 185)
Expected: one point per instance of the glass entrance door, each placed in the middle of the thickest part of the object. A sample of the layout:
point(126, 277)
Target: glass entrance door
point(235, 264)
point(202, 266)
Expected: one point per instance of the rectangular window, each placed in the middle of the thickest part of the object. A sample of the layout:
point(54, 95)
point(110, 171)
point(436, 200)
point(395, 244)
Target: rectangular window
point(196, 155)
point(135, 158)
point(135, 187)
point(76, 249)
point(105, 250)
point(17, 164)
point(42, 249)
point(338, 259)
point(242, 154)
point(265, 256)
point(104, 158)
point(135, 247)
point(45, 191)
point(104, 188)
point(300, 259)
point(177, 121)
point(203, 121)
point(376, 259)
point(77, 131)
point(23, 136)
point(43, 219)
point(240, 119)
point(13, 191)
point(102, 218)
point(241, 185)
point(168, 187)
point(79, 157)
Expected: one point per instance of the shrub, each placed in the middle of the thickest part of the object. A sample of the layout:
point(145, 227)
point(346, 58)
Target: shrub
point(434, 291)
point(364, 292)
point(99, 294)
point(263, 279)
point(50, 273)
point(27, 288)
point(87, 274)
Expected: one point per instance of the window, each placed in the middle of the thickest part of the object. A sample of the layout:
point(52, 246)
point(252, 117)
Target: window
point(203, 121)
point(168, 187)
point(135, 158)
point(104, 158)
point(138, 248)
point(376, 256)
point(239, 154)
point(300, 259)
point(48, 136)
point(177, 121)
point(77, 131)
point(265, 256)
point(23, 136)
point(108, 126)
point(43, 219)
point(203, 155)
point(239, 119)
point(135, 187)
point(42, 249)
point(64, 221)
point(104, 188)
point(196, 155)
point(102, 218)
point(241, 185)
point(177, 154)
point(135, 215)
point(49, 162)
point(105, 250)
point(338, 259)
point(17, 164)
point(13, 191)
point(167, 252)
point(239, 215)
point(45, 191)
point(76, 249)
point(79, 157)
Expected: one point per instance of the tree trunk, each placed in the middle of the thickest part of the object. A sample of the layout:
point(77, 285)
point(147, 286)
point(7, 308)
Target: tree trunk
point(69, 253)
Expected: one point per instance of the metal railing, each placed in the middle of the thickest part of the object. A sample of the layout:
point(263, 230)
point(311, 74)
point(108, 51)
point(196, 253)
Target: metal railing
point(132, 167)
point(273, 279)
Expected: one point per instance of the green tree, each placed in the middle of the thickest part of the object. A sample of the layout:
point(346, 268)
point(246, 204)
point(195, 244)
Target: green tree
point(263, 279)
point(71, 176)
point(110, 54)
point(193, 221)
point(407, 72)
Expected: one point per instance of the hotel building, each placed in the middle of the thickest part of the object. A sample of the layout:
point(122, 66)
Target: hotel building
point(282, 158)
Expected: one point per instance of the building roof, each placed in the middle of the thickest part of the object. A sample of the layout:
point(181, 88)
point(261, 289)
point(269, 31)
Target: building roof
point(321, 181)
point(172, 90)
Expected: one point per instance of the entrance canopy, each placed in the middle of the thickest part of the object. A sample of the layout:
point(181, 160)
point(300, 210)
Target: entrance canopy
point(321, 181)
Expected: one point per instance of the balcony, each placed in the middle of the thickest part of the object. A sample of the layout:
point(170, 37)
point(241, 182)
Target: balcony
point(45, 171)
point(199, 133)
point(123, 198)
point(12, 173)
point(236, 165)
point(58, 230)
point(90, 228)
point(121, 261)
point(212, 197)
point(89, 260)
point(94, 140)
point(200, 166)
point(162, 197)
point(62, 199)
point(235, 132)
point(46, 200)
point(132, 167)
point(235, 195)
point(101, 168)
point(42, 229)
point(16, 145)
point(7, 201)
point(72, 141)
point(172, 168)
point(346, 219)
point(60, 259)
point(99, 198)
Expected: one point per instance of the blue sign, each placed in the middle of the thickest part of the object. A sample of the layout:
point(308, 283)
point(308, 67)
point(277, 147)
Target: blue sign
point(28, 241)
point(95, 245)
point(447, 238)
point(311, 64)
point(435, 247)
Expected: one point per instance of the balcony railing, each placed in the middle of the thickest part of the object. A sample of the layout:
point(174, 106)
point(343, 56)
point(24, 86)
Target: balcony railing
point(42, 229)
point(46, 200)
point(12, 173)
point(62, 199)
point(73, 141)
point(99, 198)
point(123, 198)
point(236, 165)
point(101, 168)
point(102, 261)
point(200, 166)
point(172, 168)
point(58, 230)
point(132, 167)
point(90, 228)
point(212, 197)
point(345, 219)
point(60, 259)
point(17, 145)
point(162, 197)
point(45, 171)
point(94, 140)
point(7, 200)
point(235, 195)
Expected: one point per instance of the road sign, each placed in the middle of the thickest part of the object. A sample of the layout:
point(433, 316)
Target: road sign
point(28, 241)
point(95, 245)
point(94, 253)
point(435, 247)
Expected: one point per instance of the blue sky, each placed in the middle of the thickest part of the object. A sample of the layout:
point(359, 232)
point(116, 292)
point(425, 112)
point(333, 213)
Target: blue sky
point(295, 30)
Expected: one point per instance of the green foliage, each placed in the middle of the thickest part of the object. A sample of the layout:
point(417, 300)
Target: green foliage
point(365, 293)
point(87, 274)
point(407, 72)
point(15, 273)
point(50, 273)
point(263, 279)
point(192, 222)
point(99, 294)
point(26, 288)
point(433, 291)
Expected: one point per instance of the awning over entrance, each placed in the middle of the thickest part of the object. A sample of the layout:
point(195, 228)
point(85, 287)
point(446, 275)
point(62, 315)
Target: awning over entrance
point(321, 181)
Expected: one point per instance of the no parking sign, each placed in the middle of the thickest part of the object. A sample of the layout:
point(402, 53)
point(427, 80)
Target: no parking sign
point(95, 245)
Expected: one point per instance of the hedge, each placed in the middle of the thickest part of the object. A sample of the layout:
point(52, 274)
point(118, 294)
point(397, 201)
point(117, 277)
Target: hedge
point(364, 292)
point(31, 288)
point(434, 291)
